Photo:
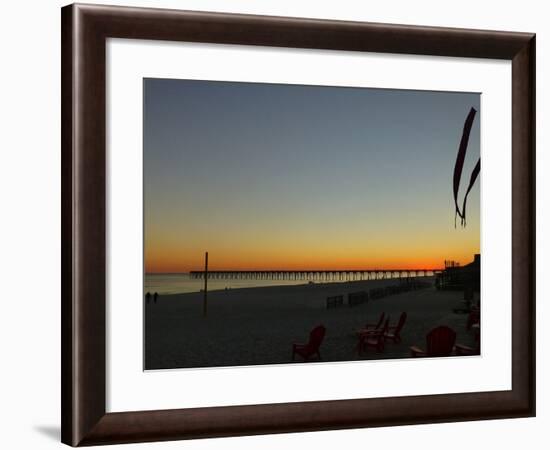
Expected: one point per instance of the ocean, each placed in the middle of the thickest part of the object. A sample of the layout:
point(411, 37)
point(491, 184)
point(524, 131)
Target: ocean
point(182, 283)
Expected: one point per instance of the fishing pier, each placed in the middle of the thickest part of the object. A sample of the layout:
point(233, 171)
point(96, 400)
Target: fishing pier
point(314, 275)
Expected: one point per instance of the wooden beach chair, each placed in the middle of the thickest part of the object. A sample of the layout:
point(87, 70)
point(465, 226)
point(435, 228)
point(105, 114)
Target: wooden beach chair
point(373, 339)
point(372, 326)
point(439, 342)
point(394, 332)
point(377, 325)
point(311, 349)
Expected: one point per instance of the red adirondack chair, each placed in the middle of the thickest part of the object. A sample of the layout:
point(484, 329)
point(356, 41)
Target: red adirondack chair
point(439, 342)
point(394, 332)
point(377, 325)
point(373, 339)
point(372, 326)
point(306, 351)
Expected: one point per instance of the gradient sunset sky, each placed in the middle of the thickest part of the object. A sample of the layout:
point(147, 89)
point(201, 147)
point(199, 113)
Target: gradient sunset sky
point(271, 176)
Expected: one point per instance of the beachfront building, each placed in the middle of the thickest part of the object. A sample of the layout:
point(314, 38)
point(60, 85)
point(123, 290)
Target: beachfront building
point(461, 278)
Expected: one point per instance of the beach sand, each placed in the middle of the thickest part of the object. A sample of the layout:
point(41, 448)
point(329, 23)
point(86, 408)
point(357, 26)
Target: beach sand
point(258, 325)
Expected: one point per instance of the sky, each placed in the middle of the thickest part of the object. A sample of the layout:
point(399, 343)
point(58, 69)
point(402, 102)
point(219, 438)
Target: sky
point(274, 176)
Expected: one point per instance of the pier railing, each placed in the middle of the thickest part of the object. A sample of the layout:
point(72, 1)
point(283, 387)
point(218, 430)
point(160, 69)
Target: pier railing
point(315, 275)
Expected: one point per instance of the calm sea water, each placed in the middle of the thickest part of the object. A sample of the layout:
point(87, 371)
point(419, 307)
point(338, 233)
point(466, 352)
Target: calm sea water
point(183, 283)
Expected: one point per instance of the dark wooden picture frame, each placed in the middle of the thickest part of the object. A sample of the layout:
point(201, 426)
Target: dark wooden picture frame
point(85, 29)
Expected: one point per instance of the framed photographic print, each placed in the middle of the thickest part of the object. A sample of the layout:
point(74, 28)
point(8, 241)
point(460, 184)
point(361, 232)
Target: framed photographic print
point(275, 224)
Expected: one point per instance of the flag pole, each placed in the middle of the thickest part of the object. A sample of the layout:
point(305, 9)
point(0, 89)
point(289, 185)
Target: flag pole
point(205, 301)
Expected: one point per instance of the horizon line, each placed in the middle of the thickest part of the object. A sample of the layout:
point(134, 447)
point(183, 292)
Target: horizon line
point(428, 269)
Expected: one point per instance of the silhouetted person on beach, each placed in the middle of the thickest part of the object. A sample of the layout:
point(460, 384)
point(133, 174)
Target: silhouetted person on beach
point(155, 297)
point(148, 297)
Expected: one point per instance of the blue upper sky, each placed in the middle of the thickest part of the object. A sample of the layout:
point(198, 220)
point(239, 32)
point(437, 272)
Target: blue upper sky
point(260, 174)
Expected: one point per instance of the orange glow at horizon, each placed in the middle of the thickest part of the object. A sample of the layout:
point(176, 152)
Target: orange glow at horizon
point(428, 264)
point(170, 258)
point(377, 240)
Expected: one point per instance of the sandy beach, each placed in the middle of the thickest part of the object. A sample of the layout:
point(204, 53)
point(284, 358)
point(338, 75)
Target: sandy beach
point(258, 325)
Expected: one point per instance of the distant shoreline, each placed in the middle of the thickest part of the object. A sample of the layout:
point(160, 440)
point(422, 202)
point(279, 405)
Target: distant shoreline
point(355, 284)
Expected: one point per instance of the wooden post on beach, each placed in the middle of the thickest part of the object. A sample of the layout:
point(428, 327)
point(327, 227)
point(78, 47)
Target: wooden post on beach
point(205, 301)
